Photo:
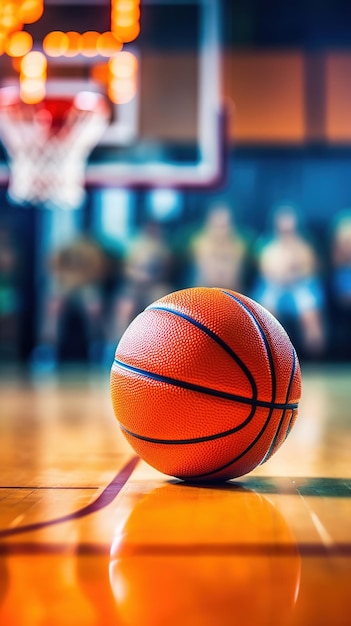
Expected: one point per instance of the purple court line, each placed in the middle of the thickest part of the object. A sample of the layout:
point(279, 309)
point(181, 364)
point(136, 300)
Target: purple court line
point(37, 488)
point(104, 499)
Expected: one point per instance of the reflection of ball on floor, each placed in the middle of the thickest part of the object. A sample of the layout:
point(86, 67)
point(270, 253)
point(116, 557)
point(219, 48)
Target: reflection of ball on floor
point(205, 384)
point(216, 557)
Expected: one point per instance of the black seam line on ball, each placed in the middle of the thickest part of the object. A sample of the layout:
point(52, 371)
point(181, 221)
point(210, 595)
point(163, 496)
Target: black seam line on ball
point(215, 338)
point(265, 425)
point(275, 439)
point(237, 458)
point(290, 423)
point(206, 390)
point(264, 337)
point(272, 449)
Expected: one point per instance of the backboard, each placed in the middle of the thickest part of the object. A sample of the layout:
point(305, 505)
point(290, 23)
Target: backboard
point(165, 129)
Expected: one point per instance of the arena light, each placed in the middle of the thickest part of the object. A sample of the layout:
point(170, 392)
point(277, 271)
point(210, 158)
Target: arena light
point(30, 11)
point(56, 43)
point(123, 5)
point(9, 18)
point(121, 91)
point(73, 44)
point(19, 44)
point(123, 65)
point(32, 90)
point(108, 44)
point(8, 7)
point(2, 43)
point(15, 13)
point(125, 21)
point(34, 65)
point(88, 43)
point(33, 72)
point(128, 33)
point(122, 83)
point(125, 16)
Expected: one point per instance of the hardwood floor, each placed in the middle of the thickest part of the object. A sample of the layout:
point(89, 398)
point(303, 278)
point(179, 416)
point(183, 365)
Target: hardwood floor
point(90, 535)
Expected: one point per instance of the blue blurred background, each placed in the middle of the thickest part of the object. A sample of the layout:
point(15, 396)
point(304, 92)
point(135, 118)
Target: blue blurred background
point(275, 225)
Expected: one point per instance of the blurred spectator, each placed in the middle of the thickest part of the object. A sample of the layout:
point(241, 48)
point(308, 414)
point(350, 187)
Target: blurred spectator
point(340, 286)
point(218, 251)
point(288, 284)
point(146, 277)
point(72, 325)
point(9, 298)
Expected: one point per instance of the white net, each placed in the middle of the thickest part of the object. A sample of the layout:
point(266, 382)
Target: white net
point(48, 156)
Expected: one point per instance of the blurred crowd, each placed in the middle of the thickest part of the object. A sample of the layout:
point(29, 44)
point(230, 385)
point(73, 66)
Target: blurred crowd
point(92, 294)
point(9, 297)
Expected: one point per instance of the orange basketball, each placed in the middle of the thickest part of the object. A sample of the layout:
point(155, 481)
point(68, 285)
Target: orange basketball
point(205, 384)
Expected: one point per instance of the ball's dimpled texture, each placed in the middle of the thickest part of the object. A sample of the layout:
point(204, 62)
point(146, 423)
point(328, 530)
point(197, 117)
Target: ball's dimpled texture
point(205, 384)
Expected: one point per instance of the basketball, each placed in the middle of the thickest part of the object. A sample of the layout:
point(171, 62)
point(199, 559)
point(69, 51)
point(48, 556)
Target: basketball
point(205, 384)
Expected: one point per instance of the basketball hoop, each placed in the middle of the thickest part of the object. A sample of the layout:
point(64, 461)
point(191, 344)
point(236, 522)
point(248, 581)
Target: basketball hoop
point(48, 145)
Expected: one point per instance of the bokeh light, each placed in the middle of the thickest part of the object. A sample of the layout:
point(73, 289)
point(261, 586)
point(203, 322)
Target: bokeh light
point(121, 91)
point(33, 77)
point(73, 44)
point(56, 43)
point(88, 43)
point(32, 90)
point(2, 43)
point(125, 16)
point(9, 19)
point(15, 13)
point(123, 65)
point(128, 33)
point(18, 44)
point(30, 11)
point(108, 44)
point(34, 65)
point(122, 85)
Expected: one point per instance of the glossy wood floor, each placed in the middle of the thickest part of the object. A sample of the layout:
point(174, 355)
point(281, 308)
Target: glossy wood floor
point(91, 536)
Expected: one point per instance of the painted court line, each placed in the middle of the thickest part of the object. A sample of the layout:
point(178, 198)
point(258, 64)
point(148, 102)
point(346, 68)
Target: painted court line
point(103, 500)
